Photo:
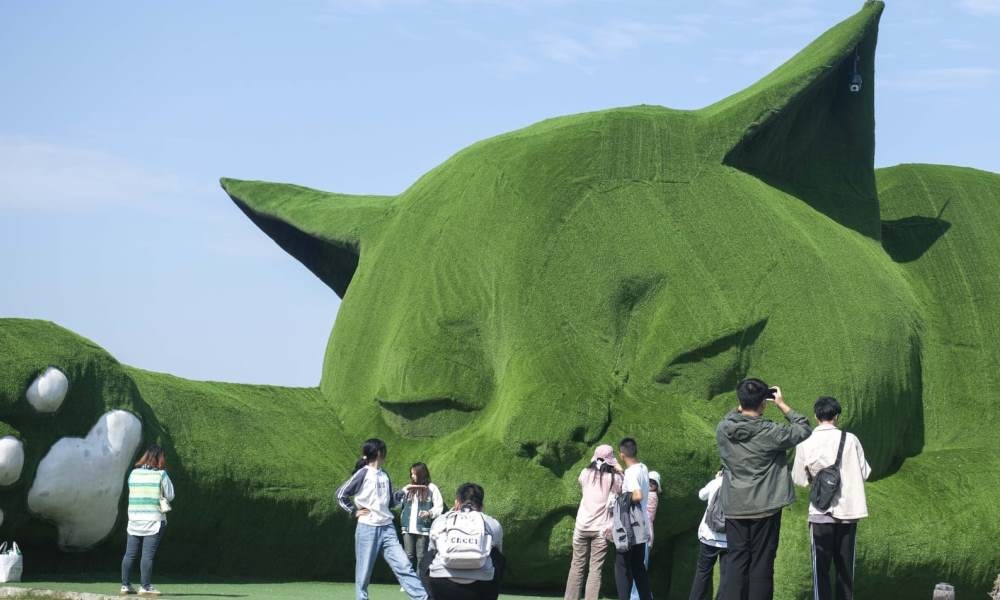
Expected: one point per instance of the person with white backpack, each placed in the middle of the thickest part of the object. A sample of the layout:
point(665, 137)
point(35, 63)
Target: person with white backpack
point(464, 559)
point(150, 492)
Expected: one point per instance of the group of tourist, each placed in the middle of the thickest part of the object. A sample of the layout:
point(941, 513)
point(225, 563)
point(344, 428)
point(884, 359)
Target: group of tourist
point(458, 554)
point(742, 522)
point(756, 485)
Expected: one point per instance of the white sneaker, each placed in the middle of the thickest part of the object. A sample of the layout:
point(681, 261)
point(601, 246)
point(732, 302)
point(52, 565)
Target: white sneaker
point(126, 590)
point(148, 590)
point(402, 589)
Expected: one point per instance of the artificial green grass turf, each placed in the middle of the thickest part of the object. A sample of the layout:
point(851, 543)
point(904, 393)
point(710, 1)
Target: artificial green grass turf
point(610, 274)
point(214, 588)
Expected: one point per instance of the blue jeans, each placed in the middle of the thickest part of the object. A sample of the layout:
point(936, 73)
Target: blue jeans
point(147, 544)
point(635, 590)
point(369, 540)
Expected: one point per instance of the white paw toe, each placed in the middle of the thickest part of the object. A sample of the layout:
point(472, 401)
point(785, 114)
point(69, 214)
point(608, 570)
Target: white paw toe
point(79, 481)
point(48, 390)
point(11, 459)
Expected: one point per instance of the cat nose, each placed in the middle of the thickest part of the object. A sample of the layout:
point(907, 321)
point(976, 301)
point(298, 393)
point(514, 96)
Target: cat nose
point(564, 444)
point(556, 456)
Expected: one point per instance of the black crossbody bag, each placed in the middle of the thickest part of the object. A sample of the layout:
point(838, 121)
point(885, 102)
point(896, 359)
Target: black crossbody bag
point(826, 484)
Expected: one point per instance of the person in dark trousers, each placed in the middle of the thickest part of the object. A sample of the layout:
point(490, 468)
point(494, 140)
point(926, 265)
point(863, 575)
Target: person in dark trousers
point(444, 582)
point(834, 530)
point(756, 485)
point(711, 546)
point(630, 566)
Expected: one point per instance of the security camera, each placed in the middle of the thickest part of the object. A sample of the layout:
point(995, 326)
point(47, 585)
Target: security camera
point(855, 86)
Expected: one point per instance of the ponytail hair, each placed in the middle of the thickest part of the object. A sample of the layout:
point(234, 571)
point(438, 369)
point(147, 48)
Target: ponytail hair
point(370, 451)
point(598, 468)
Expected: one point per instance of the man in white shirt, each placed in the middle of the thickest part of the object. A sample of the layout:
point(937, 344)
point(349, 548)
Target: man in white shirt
point(630, 566)
point(834, 530)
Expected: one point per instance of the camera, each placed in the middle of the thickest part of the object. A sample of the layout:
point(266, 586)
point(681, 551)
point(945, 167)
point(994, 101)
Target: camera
point(770, 393)
point(855, 86)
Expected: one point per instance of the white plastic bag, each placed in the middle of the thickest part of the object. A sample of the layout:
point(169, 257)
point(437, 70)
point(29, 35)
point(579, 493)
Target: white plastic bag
point(11, 562)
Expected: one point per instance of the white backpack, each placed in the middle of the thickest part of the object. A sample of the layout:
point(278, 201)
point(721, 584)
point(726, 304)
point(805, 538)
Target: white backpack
point(464, 542)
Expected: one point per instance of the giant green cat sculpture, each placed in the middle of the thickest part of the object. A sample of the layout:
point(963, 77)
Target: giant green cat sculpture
point(586, 278)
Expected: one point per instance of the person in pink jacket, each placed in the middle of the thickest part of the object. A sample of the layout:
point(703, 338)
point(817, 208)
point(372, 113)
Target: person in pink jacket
point(599, 481)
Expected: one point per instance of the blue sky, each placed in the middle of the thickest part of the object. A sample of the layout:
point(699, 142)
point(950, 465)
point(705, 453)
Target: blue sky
point(118, 118)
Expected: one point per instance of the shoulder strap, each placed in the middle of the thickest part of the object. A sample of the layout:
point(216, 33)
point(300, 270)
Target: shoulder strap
point(840, 450)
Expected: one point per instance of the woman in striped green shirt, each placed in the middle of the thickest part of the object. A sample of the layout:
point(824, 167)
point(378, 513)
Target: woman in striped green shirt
point(147, 484)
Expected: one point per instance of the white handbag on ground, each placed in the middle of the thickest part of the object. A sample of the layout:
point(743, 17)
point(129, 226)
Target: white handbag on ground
point(11, 562)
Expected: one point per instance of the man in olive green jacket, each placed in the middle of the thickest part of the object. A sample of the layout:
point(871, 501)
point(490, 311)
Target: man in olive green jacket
point(756, 485)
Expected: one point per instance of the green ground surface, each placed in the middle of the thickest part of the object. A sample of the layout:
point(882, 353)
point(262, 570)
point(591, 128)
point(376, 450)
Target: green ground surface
point(273, 590)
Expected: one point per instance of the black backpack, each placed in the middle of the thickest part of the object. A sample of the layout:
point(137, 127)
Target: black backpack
point(714, 517)
point(826, 484)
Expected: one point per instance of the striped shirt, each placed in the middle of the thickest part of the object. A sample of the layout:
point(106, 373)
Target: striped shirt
point(145, 488)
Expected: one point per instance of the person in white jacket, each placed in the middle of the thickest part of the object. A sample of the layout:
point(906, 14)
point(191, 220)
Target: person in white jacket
point(711, 545)
point(834, 530)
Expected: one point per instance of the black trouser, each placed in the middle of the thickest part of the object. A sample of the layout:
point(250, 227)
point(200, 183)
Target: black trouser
point(446, 589)
point(749, 571)
point(630, 567)
point(415, 546)
point(833, 543)
point(701, 587)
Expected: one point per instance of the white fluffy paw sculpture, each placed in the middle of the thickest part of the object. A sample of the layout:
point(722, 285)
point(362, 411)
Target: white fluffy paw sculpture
point(69, 433)
point(79, 481)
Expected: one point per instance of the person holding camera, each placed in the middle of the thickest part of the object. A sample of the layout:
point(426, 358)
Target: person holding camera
point(422, 503)
point(711, 544)
point(599, 480)
point(756, 485)
point(837, 502)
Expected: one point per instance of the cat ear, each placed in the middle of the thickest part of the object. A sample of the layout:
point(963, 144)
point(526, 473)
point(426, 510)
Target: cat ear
point(324, 231)
point(808, 128)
